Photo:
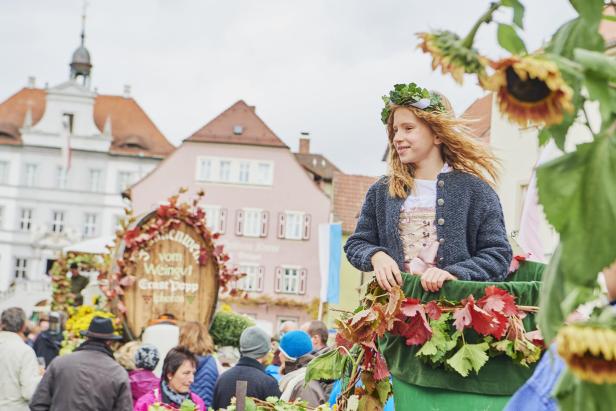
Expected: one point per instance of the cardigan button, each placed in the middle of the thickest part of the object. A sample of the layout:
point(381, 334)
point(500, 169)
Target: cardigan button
point(441, 183)
point(441, 241)
point(441, 221)
point(441, 259)
point(440, 201)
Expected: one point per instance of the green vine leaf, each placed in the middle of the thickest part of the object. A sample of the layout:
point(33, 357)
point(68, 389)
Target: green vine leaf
point(328, 366)
point(518, 11)
point(576, 33)
point(579, 200)
point(509, 39)
point(590, 10)
point(469, 357)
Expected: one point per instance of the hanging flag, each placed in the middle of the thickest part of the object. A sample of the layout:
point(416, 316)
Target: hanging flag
point(529, 236)
point(65, 135)
point(330, 251)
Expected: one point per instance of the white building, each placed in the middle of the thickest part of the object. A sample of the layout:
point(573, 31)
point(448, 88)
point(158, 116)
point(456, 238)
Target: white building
point(49, 199)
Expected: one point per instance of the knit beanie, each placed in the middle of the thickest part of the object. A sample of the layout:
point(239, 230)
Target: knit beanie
point(295, 344)
point(147, 357)
point(254, 343)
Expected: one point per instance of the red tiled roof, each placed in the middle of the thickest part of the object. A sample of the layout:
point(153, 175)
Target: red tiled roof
point(348, 196)
point(479, 114)
point(317, 164)
point(253, 130)
point(132, 130)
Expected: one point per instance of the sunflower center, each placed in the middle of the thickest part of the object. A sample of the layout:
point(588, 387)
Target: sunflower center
point(531, 90)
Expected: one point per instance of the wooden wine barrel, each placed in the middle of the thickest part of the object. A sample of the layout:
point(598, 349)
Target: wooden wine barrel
point(169, 279)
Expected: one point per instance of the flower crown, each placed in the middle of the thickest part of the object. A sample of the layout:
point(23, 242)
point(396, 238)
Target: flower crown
point(411, 95)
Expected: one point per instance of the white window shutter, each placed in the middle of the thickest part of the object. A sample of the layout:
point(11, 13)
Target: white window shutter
point(222, 224)
point(264, 223)
point(278, 280)
point(306, 231)
point(239, 222)
point(260, 276)
point(281, 225)
point(302, 281)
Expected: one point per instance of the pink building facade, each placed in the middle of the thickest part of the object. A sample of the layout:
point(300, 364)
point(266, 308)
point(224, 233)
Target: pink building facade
point(262, 202)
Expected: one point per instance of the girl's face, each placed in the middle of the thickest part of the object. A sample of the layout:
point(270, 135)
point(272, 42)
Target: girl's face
point(413, 139)
point(182, 379)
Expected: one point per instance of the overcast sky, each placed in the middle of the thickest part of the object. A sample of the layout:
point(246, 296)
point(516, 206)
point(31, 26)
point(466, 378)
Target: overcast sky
point(314, 65)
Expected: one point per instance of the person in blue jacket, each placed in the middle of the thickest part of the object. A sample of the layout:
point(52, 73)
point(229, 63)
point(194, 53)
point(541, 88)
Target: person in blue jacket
point(196, 338)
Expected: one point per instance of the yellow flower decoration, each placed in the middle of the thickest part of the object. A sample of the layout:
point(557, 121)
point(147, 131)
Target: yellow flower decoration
point(450, 53)
point(590, 352)
point(530, 90)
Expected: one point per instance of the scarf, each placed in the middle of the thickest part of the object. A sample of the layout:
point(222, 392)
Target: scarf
point(95, 345)
point(174, 397)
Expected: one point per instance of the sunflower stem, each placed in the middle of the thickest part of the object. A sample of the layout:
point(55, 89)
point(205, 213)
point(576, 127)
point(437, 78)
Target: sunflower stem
point(468, 41)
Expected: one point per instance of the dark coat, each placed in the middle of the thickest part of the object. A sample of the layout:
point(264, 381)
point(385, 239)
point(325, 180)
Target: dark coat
point(470, 228)
point(260, 385)
point(47, 345)
point(86, 380)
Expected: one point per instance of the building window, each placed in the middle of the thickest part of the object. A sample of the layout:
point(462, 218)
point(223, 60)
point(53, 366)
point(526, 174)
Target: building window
point(89, 225)
point(253, 280)
point(294, 224)
point(244, 176)
point(68, 120)
point(61, 177)
point(204, 168)
point(290, 280)
point(4, 172)
point(224, 172)
point(30, 175)
point(21, 268)
point(25, 220)
point(264, 173)
point(57, 222)
point(252, 223)
point(95, 180)
point(216, 218)
point(125, 179)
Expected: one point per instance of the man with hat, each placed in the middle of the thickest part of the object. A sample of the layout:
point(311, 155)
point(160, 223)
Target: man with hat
point(254, 346)
point(87, 379)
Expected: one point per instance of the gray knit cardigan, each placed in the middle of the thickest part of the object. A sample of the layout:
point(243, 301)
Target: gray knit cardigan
point(469, 225)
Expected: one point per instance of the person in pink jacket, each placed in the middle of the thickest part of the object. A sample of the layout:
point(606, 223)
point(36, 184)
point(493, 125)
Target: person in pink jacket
point(142, 379)
point(174, 390)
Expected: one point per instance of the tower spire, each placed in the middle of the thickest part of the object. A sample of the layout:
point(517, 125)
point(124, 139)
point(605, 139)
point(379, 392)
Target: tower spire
point(81, 64)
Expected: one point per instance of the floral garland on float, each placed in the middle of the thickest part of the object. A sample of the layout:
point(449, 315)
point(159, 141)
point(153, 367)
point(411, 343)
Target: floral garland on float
point(168, 217)
point(459, 336)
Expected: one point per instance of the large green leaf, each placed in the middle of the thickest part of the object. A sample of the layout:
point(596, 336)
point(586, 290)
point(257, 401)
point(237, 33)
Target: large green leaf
point(576, 33)
point(559, 131)
point(577, 191)
point(328, 366)
point(469, 357)
point(603, 65)
point(590, 10)
point(574, 394)
point(599, 89)
point(518, 11)
point(509, 40)
point(550, 317)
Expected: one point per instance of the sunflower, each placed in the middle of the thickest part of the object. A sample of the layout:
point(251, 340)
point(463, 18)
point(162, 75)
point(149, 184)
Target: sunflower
point(450, 53)
point(530, 89)
point(590, 352)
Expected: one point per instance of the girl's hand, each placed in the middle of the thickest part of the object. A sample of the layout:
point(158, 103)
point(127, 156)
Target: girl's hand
point(434, 278)
point(386, 270)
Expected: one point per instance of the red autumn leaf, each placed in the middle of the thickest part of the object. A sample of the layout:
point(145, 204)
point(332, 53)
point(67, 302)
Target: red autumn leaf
point(203, 256)
point(410, 306)
point(130, 236)
point(483, 322)
point(380, 367)
point(127, 281)
point(415, 329)
point(499, 300)
point(343, 342)
point(395, 301)
point(433, 310)
point(162, 210)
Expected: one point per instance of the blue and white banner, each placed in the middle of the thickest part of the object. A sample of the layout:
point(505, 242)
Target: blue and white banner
point(330, 250)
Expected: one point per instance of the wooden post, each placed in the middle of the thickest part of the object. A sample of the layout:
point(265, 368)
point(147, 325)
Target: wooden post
point(240, 395)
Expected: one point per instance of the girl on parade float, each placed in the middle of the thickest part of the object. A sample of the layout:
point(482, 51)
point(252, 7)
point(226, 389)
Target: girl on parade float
point(435, 213)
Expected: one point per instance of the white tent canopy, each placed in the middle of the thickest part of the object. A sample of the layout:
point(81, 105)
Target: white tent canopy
point(92, 246)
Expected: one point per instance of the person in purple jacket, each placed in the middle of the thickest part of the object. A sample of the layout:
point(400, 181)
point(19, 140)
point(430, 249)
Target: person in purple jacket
point(142, 379)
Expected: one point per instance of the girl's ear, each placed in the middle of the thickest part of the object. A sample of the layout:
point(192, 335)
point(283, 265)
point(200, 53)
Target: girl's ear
point(437, 140)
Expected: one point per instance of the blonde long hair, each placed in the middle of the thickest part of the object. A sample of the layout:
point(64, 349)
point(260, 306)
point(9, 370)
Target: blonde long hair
point(459, 149)
point(195, 337)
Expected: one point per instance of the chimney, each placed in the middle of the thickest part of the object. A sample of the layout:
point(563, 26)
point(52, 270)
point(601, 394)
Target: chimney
point(304, 143)
point(31, 82)
point(126, 91)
